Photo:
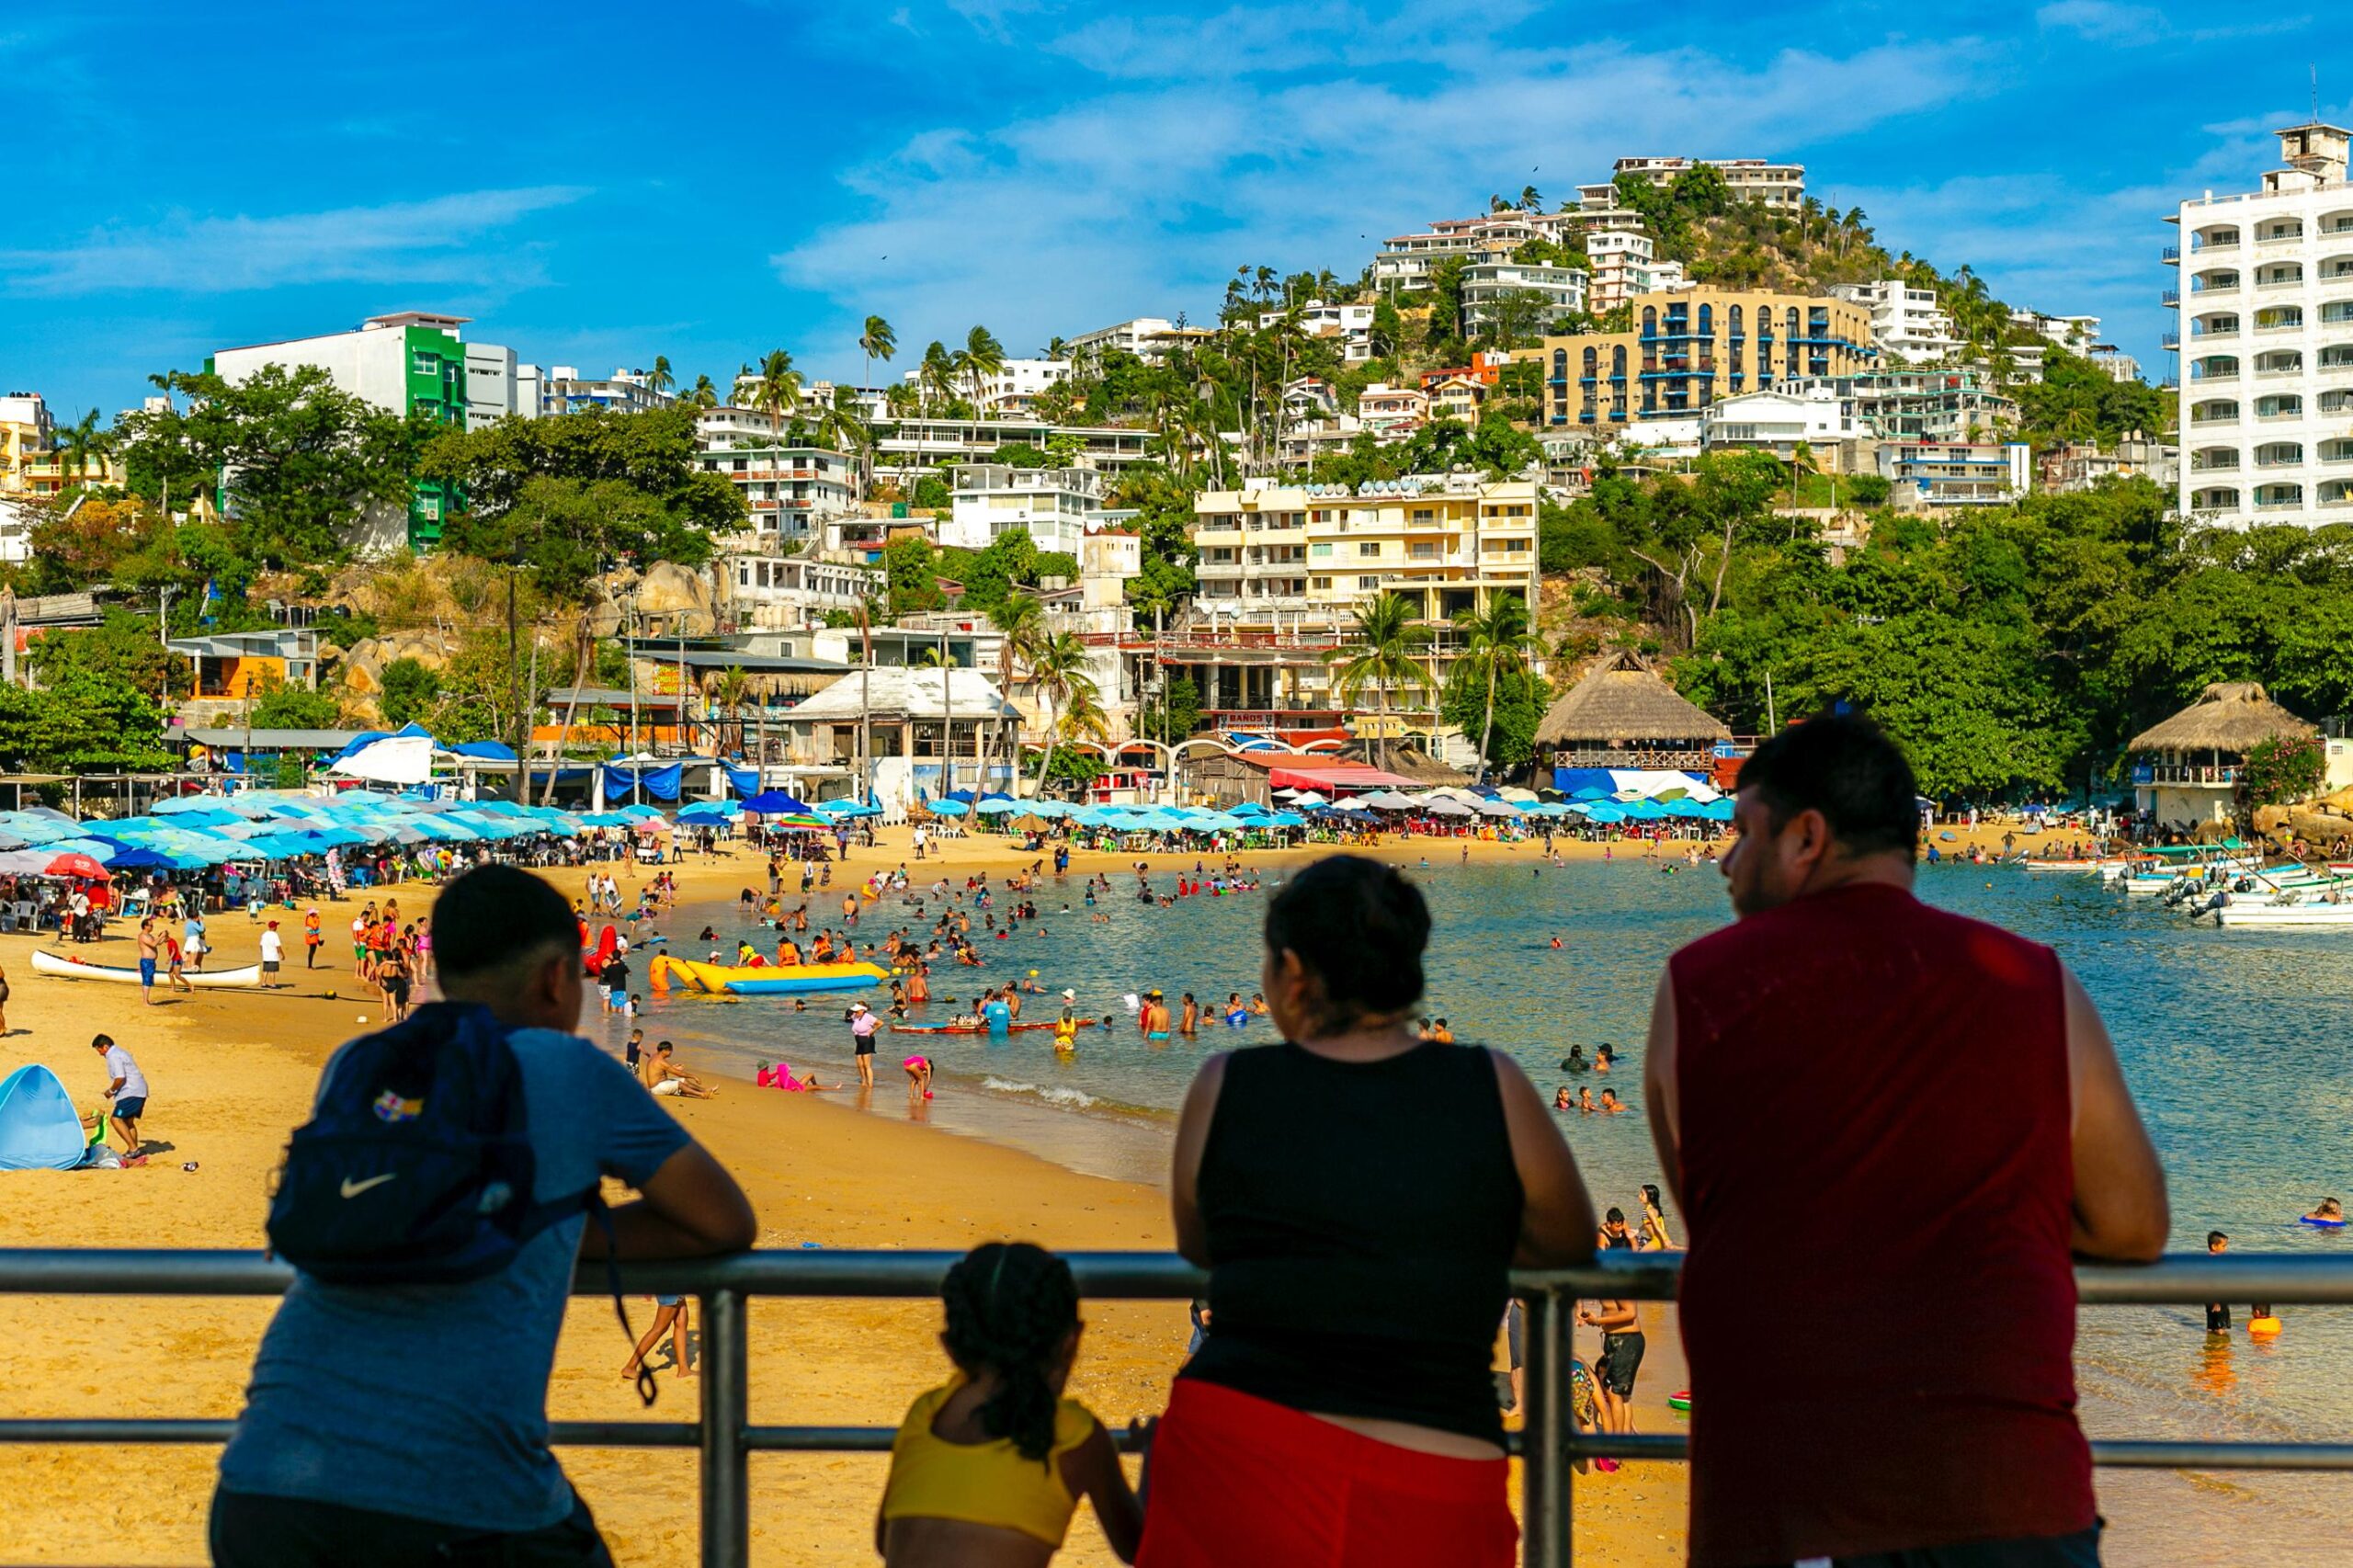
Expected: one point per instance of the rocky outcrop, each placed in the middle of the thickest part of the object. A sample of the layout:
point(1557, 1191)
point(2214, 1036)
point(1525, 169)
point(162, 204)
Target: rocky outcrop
point(362, 669)
point(674, 599)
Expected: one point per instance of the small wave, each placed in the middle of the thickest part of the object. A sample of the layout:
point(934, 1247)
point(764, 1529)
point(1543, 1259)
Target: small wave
point(1058, 1096)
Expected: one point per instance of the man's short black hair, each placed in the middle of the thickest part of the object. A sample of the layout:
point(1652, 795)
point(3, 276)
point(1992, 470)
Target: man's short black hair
point(1843, 765)
point(495, 914)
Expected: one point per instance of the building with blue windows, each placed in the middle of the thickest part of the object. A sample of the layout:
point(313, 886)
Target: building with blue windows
point(1691, 348)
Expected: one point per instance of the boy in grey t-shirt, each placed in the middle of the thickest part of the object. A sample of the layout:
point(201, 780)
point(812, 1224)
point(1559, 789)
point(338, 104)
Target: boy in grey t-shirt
point(363, 1443)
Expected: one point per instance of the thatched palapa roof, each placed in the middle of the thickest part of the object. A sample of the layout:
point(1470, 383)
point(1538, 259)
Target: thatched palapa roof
point(2229, 715)
point(1407, 761)
point(1622, 701)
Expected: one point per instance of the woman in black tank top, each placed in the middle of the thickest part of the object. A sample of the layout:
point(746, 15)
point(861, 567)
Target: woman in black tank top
point(1358, 1197)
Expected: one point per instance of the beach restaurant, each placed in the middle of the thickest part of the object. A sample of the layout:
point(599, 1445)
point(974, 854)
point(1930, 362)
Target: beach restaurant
point(1621, 715)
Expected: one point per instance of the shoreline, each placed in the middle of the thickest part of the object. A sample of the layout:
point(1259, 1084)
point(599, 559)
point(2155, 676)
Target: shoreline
point(232, 1073)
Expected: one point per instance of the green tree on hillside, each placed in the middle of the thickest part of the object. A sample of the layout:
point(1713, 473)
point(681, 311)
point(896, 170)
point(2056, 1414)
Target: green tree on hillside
point(299, 460)
point(576, 494)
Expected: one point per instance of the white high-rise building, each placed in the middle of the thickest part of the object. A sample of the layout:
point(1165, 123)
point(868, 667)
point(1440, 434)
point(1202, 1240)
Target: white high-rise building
point(1625, 263)
point(1011, 389)
point(1904, 320)
point(2267, 340)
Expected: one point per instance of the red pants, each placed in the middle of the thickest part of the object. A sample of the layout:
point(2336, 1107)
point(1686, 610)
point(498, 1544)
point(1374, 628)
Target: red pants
point(1240, 1482)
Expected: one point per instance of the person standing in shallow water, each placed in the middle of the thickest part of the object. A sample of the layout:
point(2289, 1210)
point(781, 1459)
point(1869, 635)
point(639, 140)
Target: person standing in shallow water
point(1941, 1102)
point(1358, 1197)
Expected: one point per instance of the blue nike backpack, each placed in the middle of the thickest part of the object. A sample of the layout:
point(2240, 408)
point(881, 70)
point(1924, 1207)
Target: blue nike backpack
point(416, 1166)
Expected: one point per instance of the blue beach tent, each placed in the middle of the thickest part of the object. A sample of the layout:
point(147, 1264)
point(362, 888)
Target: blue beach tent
point(39, 1129)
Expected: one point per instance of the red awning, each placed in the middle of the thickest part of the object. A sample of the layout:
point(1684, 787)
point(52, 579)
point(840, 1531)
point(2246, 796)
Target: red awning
point(1339, 777)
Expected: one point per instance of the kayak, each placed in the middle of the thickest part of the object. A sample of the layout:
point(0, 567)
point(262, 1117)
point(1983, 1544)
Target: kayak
point(77, 968)
point(983, 1029)
point(761, 980)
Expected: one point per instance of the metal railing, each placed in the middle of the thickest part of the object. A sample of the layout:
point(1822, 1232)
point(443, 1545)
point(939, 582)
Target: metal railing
point(1550, 1444)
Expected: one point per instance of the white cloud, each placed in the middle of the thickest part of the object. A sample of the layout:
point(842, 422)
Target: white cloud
point(1142, 200)
point(433, 241)
point(2106, 21)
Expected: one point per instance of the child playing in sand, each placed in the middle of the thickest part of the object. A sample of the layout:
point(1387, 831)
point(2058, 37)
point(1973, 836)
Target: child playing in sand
point(989, 1466)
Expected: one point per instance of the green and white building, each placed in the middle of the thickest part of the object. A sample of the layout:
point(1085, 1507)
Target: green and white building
point(412, 362)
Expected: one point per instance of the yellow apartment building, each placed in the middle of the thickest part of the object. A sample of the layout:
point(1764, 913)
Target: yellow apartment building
point(1284, 567)
point(1691, 348)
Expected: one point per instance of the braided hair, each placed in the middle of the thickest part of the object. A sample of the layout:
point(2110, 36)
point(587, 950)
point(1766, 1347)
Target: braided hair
point(1010, 1305)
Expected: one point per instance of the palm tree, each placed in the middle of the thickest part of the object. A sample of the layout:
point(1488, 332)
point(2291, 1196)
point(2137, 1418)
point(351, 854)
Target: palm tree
point(983, 357)
point(899, 399)
point(1496, 643)
point(661, 379)
point(877, 342)
point(1379, 655)
point(775, 389)
point(1020, 620)
point(704, 395)
point(1058, 669)
point(728, 691)
point(841, 424)
point(79, 447)
point(936, 375)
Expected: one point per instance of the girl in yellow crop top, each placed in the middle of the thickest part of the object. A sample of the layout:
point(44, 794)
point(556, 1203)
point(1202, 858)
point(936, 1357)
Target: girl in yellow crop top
point(988, 1467)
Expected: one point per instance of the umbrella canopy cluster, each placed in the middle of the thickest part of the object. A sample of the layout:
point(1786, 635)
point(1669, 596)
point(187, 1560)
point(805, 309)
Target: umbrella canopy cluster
point(260, 827)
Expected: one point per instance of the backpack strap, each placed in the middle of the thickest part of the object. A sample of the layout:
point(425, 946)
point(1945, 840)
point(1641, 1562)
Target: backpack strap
point(648, 1391)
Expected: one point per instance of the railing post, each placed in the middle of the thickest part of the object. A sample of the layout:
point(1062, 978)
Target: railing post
point(1544, 1501)
point(726, 1411)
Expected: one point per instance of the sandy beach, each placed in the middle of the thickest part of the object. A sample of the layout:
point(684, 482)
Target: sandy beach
point(232, 1073)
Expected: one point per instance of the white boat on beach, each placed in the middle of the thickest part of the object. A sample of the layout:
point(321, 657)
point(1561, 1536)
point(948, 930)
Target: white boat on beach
point(2083, 867)
point(67, 967)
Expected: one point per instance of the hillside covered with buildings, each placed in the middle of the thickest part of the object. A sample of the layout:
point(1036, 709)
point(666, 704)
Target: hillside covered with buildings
point(1694, 414)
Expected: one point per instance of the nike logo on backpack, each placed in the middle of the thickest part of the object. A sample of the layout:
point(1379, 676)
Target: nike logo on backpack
point(354, 1188)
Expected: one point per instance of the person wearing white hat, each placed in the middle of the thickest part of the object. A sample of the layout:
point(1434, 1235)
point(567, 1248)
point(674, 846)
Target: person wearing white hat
point(862, 1025)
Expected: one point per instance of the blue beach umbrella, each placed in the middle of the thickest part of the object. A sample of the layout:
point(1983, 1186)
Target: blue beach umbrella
point(950, 809)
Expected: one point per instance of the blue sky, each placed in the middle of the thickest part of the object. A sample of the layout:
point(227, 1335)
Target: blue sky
point(601, 183)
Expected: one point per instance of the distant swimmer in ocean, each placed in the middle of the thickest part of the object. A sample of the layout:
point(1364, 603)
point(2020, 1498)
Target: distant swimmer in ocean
point(1605, 1059)
point(1609, 1104)
point(1585, 1101)
point(1561, 1100)
point(2218, 1313)
point(1441, 1033)
point(1575, 1060)
point(2329, 1213)
point(1189, 1023)
point(1556, 944)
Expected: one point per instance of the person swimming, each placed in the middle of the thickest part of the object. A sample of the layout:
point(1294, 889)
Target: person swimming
point(1575, 1060)
point(1561, 1100)
point(1605, 1059)
point(2328, 1213)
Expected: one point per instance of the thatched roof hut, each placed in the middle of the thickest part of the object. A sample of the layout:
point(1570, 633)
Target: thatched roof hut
point(2229, 717)
point(1621, 714)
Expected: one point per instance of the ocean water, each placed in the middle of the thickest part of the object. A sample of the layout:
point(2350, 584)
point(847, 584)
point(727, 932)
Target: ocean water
point(2231, 1041)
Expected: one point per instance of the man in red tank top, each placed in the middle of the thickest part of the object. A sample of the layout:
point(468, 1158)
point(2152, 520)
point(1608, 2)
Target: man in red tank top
point(1888, 1127)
